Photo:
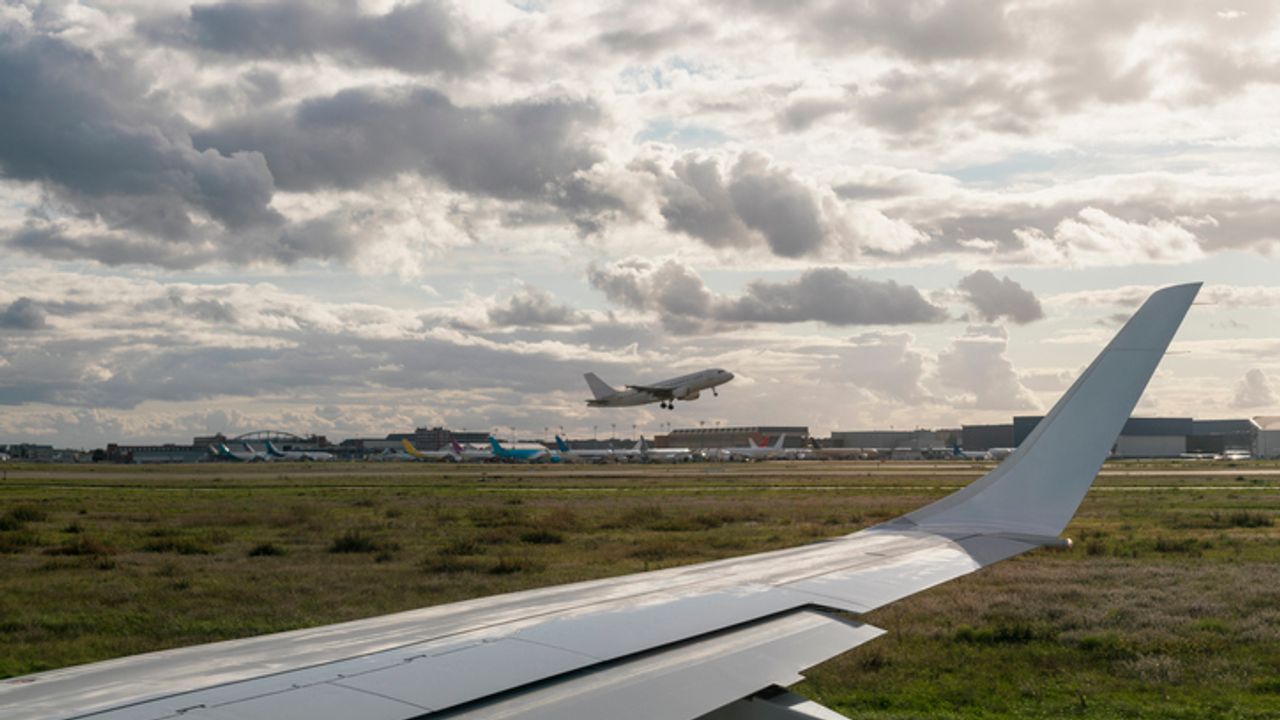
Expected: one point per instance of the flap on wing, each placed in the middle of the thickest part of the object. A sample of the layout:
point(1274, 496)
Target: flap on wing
point(659, 391)
point(689, 679)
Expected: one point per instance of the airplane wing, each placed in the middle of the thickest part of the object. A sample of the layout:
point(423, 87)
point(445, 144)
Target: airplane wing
point(662, 392)
point(714, 641)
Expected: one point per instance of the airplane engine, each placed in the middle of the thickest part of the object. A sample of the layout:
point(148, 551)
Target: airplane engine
point(685, 393)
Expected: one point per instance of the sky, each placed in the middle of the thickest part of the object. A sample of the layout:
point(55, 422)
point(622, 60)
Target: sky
point(359, 218)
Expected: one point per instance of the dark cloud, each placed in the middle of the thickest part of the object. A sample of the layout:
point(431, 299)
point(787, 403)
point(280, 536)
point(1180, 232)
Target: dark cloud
point(826, 295)
point(754, 199)
point(831, 296)
point(531, 307)
point(22, 314)
point(634, 41)
point(89, 130)
point(926, 30)
point(106, 153)
point(799, 115)
point(996, 298)
point(530, 150)
point(414, 37)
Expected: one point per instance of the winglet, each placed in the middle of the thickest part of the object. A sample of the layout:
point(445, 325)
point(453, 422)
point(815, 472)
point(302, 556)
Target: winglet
point(1037, 489)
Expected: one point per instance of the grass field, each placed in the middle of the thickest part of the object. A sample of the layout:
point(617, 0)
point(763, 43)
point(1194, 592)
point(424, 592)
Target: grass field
point(1168, 607)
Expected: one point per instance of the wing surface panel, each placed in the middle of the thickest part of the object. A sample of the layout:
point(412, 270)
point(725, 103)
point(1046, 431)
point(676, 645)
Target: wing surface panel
point(689, 679)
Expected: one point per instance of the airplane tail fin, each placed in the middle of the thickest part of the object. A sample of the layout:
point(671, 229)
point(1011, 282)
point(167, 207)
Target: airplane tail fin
point(271, 449)
point(777, 444)
point(495, 445)
point(456, 447)
point(409, 448)
point(1037, 489)
point(599, 388)
point(561, 445)
point(751, 442)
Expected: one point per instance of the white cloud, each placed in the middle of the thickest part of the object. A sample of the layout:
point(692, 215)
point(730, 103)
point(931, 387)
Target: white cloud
point(1254, 391)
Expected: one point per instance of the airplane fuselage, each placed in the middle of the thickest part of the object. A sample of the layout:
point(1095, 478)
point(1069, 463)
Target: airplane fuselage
point(684, 387)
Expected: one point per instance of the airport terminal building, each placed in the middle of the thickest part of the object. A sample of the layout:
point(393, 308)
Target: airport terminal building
point(726, 437)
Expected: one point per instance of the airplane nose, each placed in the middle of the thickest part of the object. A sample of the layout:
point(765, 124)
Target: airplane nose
point(728, 375)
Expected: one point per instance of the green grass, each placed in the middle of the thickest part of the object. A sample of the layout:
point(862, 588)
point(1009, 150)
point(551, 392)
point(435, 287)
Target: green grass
point(1168, 607)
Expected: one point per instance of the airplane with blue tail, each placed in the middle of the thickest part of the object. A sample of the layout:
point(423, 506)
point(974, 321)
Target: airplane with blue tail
point(522, 454)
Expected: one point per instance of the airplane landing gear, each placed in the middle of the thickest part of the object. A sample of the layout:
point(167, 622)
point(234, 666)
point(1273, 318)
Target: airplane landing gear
point(715, 392)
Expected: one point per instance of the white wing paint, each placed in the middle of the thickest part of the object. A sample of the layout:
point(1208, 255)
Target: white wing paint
point(715, 641)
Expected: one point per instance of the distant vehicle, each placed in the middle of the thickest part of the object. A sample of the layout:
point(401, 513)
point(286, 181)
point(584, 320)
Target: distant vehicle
point(665, 392)
point(4, 457)
point(754, 451)
point(998, 454)
point(274, 453)
point(1237, 455)
point(521, 453)
point(449, 455)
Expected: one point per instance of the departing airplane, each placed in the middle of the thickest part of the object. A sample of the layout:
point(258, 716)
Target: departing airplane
point(713, 640)
point(666, 392)
point(521, 452)
point(450, 455)
point(275, 453)
point(754, 451)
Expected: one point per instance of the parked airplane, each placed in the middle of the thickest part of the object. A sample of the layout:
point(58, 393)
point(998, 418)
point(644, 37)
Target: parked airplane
point(249, 455)
point(597, 455)
point(717, 638)
point(1001, 453)
point(450, 455)
point(754, 451)
point(649, 453)
point(471, 454)
point(666, 392)
point(275, 453)
point(521, 453)
point(959, 454)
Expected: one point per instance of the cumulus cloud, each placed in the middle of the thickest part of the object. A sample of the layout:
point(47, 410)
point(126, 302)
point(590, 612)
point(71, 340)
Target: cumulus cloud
point(750, 200)
point(826, 295)
point(532, 306)
point(996, 298)
point(529, 150)
point(1254, 391)
point(414, 37)
point(89, 132)
point(22, 314)
point(975, 372)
